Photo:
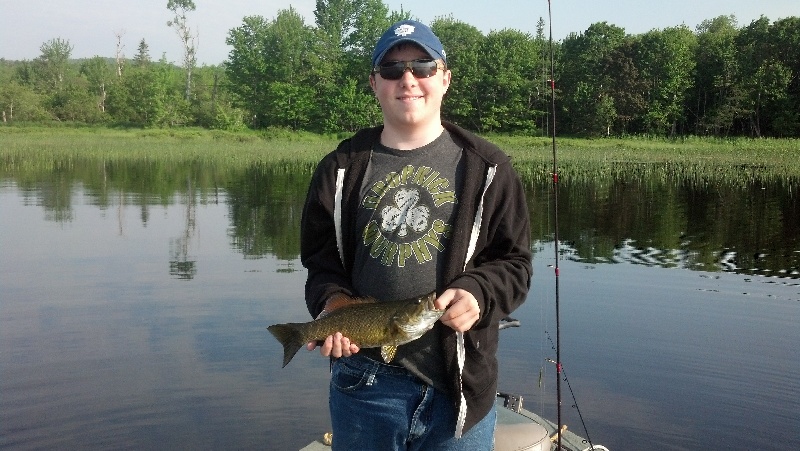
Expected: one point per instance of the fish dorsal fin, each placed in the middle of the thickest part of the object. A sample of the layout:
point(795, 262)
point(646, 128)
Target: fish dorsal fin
point(388, 352)
point(340, 300)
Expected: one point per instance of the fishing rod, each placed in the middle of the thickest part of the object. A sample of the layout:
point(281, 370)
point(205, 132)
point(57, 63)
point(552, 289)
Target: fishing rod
point(557, 361)
point(555, 219)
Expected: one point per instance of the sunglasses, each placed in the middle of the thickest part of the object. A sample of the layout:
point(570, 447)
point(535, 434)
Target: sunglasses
point(394, 70)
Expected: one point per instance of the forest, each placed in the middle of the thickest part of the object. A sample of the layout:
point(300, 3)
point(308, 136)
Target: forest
point(721, 79)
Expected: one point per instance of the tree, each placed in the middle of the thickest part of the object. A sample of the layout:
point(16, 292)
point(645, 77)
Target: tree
point(588, 89)
point(462, 42)
point(188, 40)
point(291, 105)
point(288, 74)
point(350, 108)
point(246, 66)
point(544, 92)
point(752, 50)
point(149, 96)
point(605, 114)
point(98, 74)
point(173, 108)
point(335, 20)
point(74, 102)
point(346, 31)
point(785, 40)
point(717, 95)
point(66, 95)
point(767, 101)
point(668, 79)
point(212, 104)
point(51, 67)
point(269, 69)
point(370, 19)
point(290, 94)
point(623, 85)
point(119, 56)
point(133, 98)
point(20, 103)
point(508, 85)
point(142, 57)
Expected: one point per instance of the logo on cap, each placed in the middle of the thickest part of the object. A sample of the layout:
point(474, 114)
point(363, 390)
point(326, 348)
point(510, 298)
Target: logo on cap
point(404, 30)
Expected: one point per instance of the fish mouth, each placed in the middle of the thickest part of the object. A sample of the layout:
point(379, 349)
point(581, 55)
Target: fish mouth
point(425, 323)
point(429, 300)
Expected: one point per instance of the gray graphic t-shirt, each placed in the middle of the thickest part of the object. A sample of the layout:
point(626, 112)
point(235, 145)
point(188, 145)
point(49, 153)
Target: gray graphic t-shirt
point(408, 204)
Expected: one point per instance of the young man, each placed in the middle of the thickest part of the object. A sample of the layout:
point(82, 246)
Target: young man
point(400, 210)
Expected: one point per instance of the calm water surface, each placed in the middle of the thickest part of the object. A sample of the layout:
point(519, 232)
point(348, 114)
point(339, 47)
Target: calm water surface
point(133, 313)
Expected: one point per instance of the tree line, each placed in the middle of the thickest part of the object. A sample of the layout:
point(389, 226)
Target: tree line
point(719, 79)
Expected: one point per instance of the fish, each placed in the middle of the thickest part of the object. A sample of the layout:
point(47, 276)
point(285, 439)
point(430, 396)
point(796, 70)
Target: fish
point(367, 322)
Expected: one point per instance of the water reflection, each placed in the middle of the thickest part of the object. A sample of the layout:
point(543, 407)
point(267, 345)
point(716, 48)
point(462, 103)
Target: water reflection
point(639, 216)
point(678, 223)
point(181, 265)
point(265, 205)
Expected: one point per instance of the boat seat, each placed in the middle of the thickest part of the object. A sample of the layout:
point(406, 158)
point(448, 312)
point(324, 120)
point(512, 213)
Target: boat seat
point(521, 436)
point(516, 431)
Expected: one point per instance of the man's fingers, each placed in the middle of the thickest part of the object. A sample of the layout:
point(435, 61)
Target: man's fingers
point(461, 323)
point(334, 345)
point(462, 309)
point(443, 301)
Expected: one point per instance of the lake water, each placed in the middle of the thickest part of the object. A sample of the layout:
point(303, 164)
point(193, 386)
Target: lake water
point(134, 301)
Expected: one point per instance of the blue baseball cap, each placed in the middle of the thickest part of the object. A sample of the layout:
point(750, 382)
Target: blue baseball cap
point(409, 31)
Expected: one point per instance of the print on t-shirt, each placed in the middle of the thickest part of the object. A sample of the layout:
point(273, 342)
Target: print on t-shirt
point(409, 222)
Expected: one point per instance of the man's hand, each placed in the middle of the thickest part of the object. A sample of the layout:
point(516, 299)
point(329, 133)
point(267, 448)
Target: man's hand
point(462, 312)
point(335, 345)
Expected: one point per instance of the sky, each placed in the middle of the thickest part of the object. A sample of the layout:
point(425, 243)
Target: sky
point(91, 26)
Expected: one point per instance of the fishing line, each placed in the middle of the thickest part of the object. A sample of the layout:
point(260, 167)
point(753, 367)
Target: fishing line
point(555, 218)
point(574, 400)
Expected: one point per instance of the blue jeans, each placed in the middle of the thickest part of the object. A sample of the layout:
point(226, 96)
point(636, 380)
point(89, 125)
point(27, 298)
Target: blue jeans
point(382, 407)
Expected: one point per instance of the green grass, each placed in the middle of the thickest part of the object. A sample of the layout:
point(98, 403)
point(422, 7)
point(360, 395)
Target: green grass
point(28, 145)
point(752, 152)
point(704, 160)
point(707, 160)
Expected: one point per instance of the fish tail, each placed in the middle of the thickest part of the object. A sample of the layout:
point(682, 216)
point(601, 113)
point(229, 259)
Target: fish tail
point(290, 337)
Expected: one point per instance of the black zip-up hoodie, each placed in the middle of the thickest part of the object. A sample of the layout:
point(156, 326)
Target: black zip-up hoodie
point(493, 262)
